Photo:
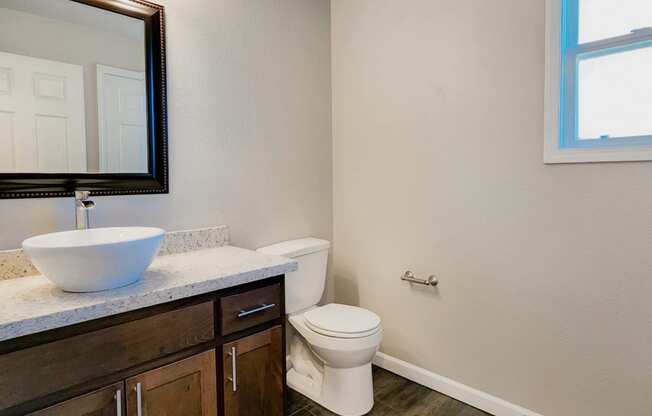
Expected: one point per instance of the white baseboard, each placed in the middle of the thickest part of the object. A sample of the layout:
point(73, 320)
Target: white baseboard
point(459, 391)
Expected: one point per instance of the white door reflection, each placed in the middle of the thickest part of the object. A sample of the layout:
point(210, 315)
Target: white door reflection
point(122, 120)
point(42, 122)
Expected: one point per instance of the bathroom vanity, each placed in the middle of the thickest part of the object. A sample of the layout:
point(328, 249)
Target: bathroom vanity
point(202, 334)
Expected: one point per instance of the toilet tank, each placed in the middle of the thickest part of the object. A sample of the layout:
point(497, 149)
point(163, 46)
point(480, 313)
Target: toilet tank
point(305, 287)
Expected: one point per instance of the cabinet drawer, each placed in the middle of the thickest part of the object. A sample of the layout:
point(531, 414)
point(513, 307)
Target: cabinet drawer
point(38, 371)
point(251, 308)
point(105, 402)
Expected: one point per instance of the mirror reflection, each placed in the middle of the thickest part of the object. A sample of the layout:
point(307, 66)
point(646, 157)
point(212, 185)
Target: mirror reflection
point(72, 89)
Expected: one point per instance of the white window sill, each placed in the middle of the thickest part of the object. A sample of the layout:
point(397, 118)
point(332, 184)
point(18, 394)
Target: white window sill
point(555, 155)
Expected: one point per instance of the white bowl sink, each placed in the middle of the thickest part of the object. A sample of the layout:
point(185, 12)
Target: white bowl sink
point(94, 259)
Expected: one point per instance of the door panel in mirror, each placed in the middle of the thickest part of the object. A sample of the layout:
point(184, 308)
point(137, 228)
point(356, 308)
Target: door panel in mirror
point(43, 129)
point(122, 115)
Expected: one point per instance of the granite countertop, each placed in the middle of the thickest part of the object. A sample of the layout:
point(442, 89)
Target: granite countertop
point(33, 304)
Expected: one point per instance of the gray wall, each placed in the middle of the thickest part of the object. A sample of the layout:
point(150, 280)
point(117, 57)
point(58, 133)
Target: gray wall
point(546, 271)
point(250, 128)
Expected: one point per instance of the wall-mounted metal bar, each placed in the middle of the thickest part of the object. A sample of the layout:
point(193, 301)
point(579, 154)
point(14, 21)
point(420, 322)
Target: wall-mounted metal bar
point(408, 276)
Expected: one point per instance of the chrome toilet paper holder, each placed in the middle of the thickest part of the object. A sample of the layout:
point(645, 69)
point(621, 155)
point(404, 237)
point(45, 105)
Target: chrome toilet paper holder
point(408, 276)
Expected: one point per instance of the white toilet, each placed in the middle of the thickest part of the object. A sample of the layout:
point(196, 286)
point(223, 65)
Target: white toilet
point(331, 346)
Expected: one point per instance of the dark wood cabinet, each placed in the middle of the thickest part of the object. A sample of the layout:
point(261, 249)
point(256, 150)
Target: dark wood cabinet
point(184, 388)
point(78, 359)
point(103, 402)
point(246, 310)
point(254, 374)
point(220, 353)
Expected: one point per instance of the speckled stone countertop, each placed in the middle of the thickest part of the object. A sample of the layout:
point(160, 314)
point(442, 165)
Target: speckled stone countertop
point(15, 263)
point(33, 304)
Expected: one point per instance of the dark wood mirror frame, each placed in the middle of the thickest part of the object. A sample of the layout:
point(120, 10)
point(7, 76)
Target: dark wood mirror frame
point(45, 185)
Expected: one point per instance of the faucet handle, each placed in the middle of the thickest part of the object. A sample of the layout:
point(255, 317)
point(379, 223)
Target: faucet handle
point(82, 195)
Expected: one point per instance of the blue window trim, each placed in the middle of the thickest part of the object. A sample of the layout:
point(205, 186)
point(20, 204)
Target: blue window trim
point(572, 52)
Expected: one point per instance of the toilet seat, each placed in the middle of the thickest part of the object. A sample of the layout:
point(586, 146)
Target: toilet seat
point(342, 321)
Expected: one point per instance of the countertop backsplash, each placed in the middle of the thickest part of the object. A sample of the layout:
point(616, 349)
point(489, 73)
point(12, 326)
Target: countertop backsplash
point(15, 263)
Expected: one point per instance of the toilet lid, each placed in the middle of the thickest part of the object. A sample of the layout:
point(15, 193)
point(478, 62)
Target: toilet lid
point(342, 321)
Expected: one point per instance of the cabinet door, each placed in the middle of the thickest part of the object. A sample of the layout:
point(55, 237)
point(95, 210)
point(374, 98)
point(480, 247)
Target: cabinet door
point(184, 388)
point(104, 402)
point(254, 376)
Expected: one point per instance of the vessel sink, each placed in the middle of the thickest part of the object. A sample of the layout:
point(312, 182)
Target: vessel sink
point(95, 259)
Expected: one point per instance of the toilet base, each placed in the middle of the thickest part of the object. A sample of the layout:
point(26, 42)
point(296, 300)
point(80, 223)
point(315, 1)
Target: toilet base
point(345, 391)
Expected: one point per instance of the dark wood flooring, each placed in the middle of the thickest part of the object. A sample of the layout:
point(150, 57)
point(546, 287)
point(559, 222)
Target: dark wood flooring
point(395, 396)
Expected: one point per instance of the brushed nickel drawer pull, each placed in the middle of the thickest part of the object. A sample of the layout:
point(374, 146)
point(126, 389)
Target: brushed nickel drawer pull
point(139, 400)
point(118, 402)
point(234, 371)
point(261, 308)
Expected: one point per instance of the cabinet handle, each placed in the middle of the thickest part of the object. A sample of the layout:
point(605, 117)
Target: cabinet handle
point(118, 402)
point(261, 308)
point(233, 379)
point(139, 400)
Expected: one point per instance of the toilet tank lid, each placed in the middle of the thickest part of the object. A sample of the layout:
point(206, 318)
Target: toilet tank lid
point(296, 248)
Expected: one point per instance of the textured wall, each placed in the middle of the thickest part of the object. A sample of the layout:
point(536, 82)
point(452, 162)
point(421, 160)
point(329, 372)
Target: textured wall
point(250, 128)
point(546, 272)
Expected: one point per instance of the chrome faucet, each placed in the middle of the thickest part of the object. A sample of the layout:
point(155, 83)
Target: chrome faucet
point(82, 207)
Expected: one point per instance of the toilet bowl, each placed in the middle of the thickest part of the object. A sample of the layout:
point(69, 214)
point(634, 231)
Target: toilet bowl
point(331, 346)
point(344, 360)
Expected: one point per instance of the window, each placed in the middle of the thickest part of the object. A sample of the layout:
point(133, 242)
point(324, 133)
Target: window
point(598, 83)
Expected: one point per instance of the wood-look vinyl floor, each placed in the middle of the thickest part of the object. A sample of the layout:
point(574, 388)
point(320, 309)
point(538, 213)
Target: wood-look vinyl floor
point(393, 396)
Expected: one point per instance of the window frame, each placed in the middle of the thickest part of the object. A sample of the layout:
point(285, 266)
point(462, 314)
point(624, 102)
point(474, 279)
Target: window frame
point(563, 53)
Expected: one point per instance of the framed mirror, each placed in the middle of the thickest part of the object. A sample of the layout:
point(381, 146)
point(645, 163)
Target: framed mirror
point(82, 98)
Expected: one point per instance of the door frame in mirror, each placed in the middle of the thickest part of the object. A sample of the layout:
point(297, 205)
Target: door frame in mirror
point(156, 181)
